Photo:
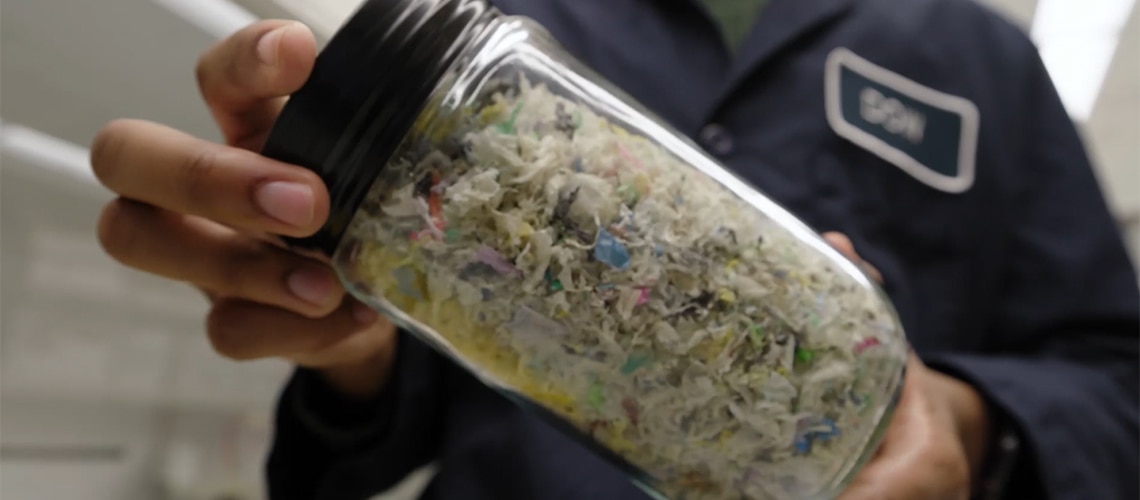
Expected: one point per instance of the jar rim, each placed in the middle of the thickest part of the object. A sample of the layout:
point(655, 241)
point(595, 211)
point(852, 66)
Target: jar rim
point(367, 87)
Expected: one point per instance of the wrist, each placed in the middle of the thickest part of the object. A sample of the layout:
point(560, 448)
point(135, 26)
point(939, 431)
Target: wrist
point(361, 379)
point(345, 406)
point(970, 414)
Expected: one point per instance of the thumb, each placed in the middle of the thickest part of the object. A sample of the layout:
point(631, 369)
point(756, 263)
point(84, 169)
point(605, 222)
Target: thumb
point(843, 244)
point(245, 77)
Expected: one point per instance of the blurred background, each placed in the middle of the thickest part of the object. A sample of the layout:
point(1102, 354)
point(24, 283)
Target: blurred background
point(109, 387)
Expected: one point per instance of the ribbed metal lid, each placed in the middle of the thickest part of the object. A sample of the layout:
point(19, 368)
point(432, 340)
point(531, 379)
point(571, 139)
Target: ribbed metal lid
point(368, 86)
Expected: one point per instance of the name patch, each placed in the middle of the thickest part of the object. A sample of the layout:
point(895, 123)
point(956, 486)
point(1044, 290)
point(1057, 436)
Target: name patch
point(931, 135)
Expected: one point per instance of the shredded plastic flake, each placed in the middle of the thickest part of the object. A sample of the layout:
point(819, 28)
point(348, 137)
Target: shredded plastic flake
point(588, 269)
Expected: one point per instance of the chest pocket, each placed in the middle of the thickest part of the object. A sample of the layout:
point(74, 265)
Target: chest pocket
point(900, 167)
point(920, 239)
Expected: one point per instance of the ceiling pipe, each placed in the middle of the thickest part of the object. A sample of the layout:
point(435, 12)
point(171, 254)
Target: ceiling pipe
point(218, 18)
point(49, 156)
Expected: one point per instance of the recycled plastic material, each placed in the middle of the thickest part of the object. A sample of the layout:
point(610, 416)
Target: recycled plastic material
point(576, 262)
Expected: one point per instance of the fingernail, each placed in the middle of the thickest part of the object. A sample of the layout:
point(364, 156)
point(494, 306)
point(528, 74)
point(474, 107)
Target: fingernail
point(314, 286)
point(363, 314)
point(269, 45)
point(287, 202)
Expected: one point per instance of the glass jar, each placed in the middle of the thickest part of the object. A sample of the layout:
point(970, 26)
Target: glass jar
point(512, 209)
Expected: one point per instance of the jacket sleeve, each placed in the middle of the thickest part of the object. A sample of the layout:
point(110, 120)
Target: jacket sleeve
point(327, 447)
point(1065, 372)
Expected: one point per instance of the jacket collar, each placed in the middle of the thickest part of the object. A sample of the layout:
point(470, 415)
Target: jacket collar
point(780, 24)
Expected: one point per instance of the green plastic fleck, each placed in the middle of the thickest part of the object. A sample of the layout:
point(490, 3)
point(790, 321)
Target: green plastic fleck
point(595, 396)
point(629, 194)
point(804, 355)
point(634, 362)
point(756, 335)
point(508, 127)
point(553, 283)
point(452, 235)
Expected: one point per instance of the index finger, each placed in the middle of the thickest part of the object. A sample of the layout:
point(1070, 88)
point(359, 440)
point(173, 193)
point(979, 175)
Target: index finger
point(245, 77)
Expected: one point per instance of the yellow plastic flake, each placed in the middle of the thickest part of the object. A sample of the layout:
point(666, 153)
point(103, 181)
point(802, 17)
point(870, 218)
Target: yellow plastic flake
point(724, 436)
point(620, 132)
point(641, 184)
point(555, 400)
point(613, 435)
point(709, 350)
point(526, 230)
point(438, 126)
point(732, 263)
point(423, 122)
point(727, 296)
point(475, 342)
point(491, 113)
point(368, 263)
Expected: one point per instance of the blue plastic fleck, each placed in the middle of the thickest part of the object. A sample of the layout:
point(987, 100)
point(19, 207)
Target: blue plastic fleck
point(833, 430)
point(405, 282)
point(609, 250)
point(804, 441)
point(803, 444)
point(576, 165)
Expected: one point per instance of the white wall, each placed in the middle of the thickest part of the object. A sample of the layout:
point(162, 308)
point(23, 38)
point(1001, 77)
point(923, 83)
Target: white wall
point(54, 449)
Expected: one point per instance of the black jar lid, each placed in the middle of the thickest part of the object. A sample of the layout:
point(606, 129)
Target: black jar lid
point(367, 88)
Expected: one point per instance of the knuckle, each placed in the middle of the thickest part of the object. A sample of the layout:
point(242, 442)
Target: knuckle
point(238, 272)
point(197, 174)
point(223, 337)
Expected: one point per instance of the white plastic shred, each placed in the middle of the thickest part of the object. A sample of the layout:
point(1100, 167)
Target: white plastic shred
point(634, 296)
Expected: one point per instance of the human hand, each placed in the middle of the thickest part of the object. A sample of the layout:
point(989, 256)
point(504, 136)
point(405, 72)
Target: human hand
point(936, 438)
point(199, 212)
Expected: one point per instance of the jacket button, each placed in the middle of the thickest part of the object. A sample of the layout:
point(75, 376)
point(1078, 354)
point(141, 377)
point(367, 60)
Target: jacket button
point(716, 139)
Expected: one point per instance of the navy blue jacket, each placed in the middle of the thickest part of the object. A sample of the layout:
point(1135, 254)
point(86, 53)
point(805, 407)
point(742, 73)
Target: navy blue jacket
point(991, 233)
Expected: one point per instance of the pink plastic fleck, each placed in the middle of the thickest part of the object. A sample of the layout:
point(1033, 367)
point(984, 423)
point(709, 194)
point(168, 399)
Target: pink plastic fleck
point(866, 344)
point(644, 297)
